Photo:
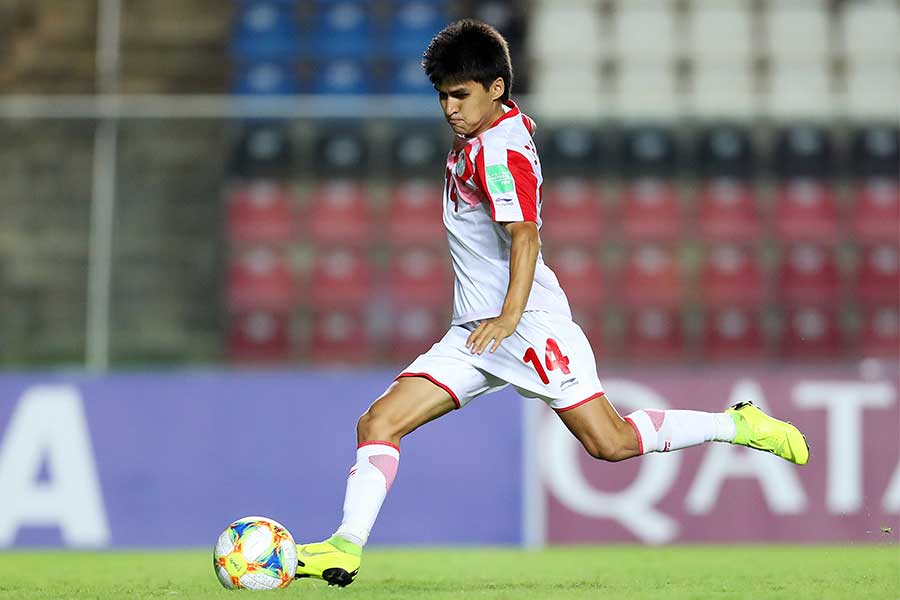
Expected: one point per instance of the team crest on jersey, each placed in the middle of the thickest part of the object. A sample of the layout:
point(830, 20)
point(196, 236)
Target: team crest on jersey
point(461, 164)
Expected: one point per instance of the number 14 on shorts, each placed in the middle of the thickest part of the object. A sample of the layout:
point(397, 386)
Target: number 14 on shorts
point(553, 359)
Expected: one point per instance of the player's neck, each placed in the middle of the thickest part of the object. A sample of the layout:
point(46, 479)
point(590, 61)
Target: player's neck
point(490, 119)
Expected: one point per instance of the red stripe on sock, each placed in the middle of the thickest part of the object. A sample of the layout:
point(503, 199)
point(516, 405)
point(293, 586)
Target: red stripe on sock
point(577, 404)
point(394, 446)
point(435, 382)
point(636, 433)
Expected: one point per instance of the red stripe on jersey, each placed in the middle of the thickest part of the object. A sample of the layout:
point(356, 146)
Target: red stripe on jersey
point(514, 111)
point(526, 184)
point(481, 180)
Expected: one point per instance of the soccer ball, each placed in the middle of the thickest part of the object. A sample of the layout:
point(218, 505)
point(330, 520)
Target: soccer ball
point(255, 553)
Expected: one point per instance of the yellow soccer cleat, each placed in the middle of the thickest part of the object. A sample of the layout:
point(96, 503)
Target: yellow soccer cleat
point(756, 429)
point(335, 560)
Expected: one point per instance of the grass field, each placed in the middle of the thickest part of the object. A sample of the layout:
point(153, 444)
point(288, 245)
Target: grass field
point(620, 573)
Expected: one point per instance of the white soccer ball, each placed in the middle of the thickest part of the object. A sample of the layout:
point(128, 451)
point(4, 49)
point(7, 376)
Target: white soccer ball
point(255, 553)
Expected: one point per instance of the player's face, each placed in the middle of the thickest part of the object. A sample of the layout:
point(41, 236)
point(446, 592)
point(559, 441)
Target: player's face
point(468, 107)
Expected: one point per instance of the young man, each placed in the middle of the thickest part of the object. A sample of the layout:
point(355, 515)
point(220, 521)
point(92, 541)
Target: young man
point(511, 320)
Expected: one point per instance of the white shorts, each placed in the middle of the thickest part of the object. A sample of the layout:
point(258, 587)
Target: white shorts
point(548, 357)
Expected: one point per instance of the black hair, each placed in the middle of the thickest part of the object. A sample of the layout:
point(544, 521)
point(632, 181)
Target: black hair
point(469, 50)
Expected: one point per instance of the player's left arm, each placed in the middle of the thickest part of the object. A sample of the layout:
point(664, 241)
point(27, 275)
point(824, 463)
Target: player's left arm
point(522, 261)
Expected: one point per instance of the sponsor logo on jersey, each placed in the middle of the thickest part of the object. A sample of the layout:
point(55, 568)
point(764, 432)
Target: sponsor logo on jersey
point(499, 179)
point(568, 383)
point(503, 201)
point(461, 164)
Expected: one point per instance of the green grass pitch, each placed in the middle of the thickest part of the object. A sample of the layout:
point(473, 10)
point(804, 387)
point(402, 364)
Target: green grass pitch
point(615, 572)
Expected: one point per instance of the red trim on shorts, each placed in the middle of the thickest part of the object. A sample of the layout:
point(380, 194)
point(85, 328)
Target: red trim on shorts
point(434, 381)
point(637, 433)
point(394, 446)
point(577, 404)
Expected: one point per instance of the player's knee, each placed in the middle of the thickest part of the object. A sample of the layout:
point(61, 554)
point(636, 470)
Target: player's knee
point(606, 448)
point(376, 424)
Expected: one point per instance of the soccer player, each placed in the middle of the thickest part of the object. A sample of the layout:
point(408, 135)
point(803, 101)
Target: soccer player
point(511, 321)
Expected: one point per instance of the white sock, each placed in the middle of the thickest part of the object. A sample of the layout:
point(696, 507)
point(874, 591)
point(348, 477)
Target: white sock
point(665, 430)
point(367, 485)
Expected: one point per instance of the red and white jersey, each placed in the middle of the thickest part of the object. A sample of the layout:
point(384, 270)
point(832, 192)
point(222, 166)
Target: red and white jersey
point(492, 179)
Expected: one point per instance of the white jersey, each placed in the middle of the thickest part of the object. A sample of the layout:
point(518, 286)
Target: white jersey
point(492, 179)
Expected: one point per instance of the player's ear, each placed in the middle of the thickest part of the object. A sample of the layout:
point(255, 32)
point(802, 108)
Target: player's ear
point(498, 87)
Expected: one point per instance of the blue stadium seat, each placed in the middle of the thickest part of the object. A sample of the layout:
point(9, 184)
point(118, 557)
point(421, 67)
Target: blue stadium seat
point(264, 150)
point(341, 150)
point(343, 30)
point(725, 150)
point(342, 76)
point(804, 151)
point(876, 151)
point(408, 77)
point(265, 79)
point(419, 149)
point(265, 30)
point(649, 151)
point(574, 150)
point(413, 24)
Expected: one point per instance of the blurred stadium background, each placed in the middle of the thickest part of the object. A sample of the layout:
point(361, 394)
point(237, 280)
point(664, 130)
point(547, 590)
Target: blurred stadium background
point(219, 221)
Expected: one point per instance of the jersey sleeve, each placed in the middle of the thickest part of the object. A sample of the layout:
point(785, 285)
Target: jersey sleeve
point(509, 182)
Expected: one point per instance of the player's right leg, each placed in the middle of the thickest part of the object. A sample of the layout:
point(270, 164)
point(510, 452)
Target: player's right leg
point(408, 403)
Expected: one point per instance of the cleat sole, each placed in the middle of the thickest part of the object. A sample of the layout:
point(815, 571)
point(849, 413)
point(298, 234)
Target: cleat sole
point(338, 576)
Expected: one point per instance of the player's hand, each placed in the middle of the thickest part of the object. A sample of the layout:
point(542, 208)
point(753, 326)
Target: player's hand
point(495, 330)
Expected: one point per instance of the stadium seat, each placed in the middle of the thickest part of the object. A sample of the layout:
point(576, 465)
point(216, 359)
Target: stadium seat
point(590, 320)
point(801, 91)
point(876, 210)
point(574, 28)
point(266, 79)
point(265, 30)
point(580, 274)
point(420, 277)
point(733, 333)
point(260, 278)
point(264, 151)
point(876, 152)
point(871, 91)
point(342, 76)
point(651, 211)
point(419, 150)
point(881, 332)
point(340, 278)
point(654, 334)
point(725, 151)
point(340, 337)
point(646, 92)
point(571, 90)
point(878, 274)
point(731, 276)
point(258, 337)
point(340, 213)
point(343, 30)
point(408, 77)
point(803, 151)
point(809, 275)
point(728, 211)
point(812, 333)
point(572, 213)
point(870, 31)
point(570, 150)
point(720, 91)
point(414, 215)
point(412, 24)
point(649, 151)
point(805, 209)
point(341, 151)
point(645, 33)
point(413, 332)
point(787, 22)
point(651, 277)
point(261, 211)
point(720, 33)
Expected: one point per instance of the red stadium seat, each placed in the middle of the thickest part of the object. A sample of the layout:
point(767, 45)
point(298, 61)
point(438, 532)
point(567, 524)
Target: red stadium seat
point(591, 322)
point(728, 211)
point(413, 332)
point(881, 332)
point(572, 213)
point(805, 210)
point(340, 278)
point(809, 275)
point(654, 333)
point(878, 274)
point(876, 211)
point(731, 276)
point(260, 279)
point(733, 333)
point(414, 215)
point(420, 277)
point(579, 273)
point(261, 211)
point(340, 213)
point(651, 211)
point(651, 277)
point(259, 337)
point(812, 333)
point(340, 337)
